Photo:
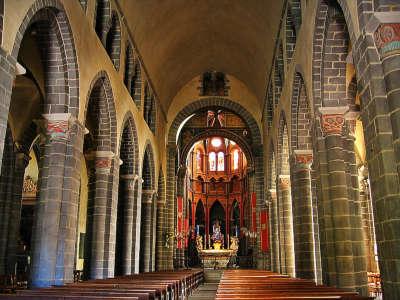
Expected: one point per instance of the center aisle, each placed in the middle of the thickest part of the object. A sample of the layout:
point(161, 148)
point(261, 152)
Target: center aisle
point(208, 290)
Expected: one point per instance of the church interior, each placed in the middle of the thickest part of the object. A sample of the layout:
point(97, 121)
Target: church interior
point(215, 149)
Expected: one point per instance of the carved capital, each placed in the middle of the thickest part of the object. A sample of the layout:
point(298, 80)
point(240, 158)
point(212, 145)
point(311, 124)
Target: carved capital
point(302, 159)
point(130, 180)
point(387, 39)
point(57, 126)
point(332, 119)
point(284, 181)
point(147, 196)
point(101, 161)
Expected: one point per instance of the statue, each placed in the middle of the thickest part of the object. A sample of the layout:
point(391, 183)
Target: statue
point(234, 243)
point(217, 237)
point(199, 242)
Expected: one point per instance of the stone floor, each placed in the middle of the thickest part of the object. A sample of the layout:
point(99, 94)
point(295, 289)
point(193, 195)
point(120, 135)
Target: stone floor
point(208, 290)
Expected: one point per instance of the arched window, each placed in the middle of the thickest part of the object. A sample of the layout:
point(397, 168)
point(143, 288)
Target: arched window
point(212, 161)
point(198, 161)
point(236, 159)
point(221, 163)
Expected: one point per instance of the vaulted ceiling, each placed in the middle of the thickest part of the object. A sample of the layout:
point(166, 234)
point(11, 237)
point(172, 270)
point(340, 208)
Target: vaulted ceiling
point(180, 39)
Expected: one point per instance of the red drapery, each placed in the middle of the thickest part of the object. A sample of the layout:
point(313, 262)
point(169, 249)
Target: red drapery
point(264, 230)
point(253, 212)
point(179, 222)
point(185, 232)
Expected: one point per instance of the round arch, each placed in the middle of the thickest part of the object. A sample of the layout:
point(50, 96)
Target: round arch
point(212, 102)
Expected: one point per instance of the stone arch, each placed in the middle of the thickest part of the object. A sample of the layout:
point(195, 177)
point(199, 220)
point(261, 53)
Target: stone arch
point(212, 102)
point(278, 74)
point(128, 146)
point(127, 201)
point(103, 167)
point(129, 69)
point(137, 84)
point(283, 148)
point(54, 31)
point(225, 134)
point(102, 16)
point(330, 52)
point(101, 95)
point(148, 211)
point(291, 29)
point(113, 40)
point(295, 9)
point(269, 107)
point(301, 120)
point(149, 108)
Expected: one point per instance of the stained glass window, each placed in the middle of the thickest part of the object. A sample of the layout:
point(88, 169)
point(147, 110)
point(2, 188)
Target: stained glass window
point(198, 160)
point(236, 159)
point(221, 165)
point(212, 161)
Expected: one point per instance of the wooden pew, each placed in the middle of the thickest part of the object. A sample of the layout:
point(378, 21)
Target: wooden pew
point(257, 284)
point(146, 286)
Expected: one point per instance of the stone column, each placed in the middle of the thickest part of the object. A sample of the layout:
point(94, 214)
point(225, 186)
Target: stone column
point(147, 201)
point(383, 149)
point(100, 171)
point(360, 263)
point(136, 230)
point(21, 162)
point(54, 233)
point(303, 228)
point(286, 225)
point(337, 207)
point(171, 206)
point(128, 186)
point(274, 221)
point(6, 198)
point(160, 228)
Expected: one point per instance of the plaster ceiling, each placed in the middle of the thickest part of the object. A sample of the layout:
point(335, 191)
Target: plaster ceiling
point(180, 39)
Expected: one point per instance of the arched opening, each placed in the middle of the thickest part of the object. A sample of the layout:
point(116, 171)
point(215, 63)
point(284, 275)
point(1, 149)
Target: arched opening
point(101, 17)
point(127, 202)
point(113, 40)
point(99, 147)
point(39, 104)
point(147, 229)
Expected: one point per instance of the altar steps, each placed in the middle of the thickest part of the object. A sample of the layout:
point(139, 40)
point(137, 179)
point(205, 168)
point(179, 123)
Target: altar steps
point(208, 290)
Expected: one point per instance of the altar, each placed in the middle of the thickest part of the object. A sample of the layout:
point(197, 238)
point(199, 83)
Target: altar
point(216, 259)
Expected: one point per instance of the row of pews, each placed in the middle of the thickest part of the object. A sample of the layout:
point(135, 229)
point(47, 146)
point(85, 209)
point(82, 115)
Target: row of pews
point(257, 284)
point(174, 285)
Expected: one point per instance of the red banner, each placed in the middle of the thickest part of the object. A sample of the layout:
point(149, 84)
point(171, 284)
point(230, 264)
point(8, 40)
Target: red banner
point(179, 222)
point(264, 230)
point(185, 232)
point(253, 212)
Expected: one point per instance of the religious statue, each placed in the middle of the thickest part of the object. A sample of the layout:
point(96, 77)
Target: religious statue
point(217, 237)
point(199, 242)
point(234, 243)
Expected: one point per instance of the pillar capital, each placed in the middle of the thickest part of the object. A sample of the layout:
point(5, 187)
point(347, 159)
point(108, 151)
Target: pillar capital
point(101, 161)
point(302, 159)
point(130, 180)
point(147, 196)
point(57, 126)
point(332, 119)
point(385, 27)
point(284, 181)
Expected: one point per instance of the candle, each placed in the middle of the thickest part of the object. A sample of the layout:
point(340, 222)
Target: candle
point(197, 229)
point(236, 230)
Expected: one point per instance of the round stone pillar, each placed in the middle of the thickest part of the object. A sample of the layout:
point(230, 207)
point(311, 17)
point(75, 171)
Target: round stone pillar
point(286, 225)
point(54, 237)
point(303, 228)
point(100, 171)
point(274, 221)
point(128, 197)
point(145, 235)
